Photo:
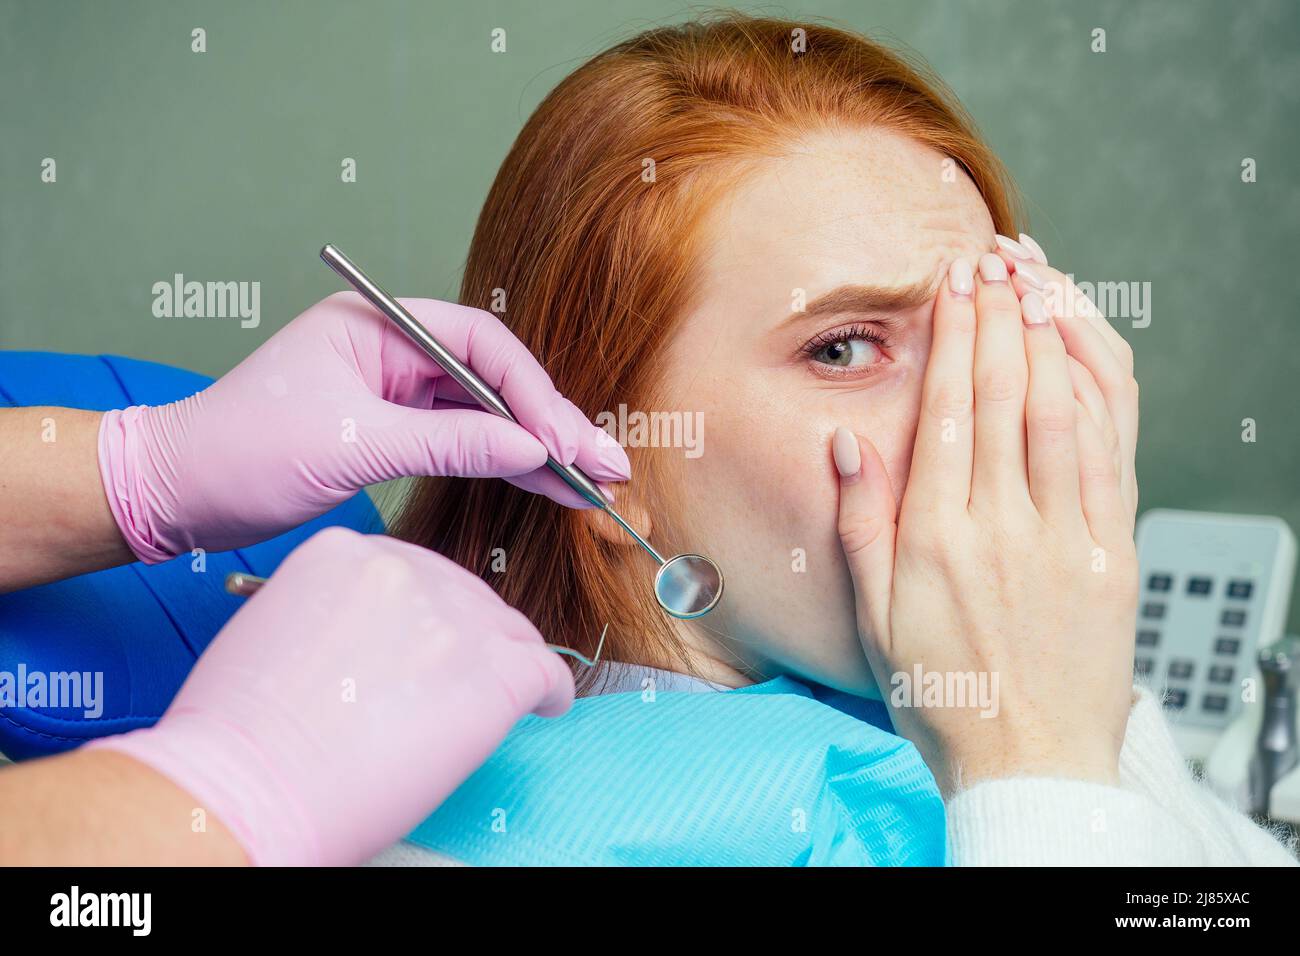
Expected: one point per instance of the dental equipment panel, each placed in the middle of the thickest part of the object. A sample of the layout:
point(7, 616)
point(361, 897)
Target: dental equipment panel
point(1214, 589)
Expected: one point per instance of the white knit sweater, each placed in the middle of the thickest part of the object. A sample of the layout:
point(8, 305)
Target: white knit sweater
point(1159, 815)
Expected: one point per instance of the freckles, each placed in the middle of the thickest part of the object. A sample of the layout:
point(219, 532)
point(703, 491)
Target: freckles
point(780, 470)
point(804, 483)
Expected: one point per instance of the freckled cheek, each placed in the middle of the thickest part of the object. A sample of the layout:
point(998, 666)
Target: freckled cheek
point(766, 458)
point(757, 459)
point(890, 425)
point(899, 445)
point(787, 438)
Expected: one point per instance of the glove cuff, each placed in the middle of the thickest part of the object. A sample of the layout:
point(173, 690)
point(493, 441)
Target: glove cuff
point(128, 494)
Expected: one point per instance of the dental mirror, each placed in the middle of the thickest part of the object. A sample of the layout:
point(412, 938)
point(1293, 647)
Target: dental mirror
point(687, 586)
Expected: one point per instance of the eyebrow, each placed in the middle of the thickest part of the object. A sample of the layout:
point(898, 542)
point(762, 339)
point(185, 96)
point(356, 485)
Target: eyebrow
point(849, 299)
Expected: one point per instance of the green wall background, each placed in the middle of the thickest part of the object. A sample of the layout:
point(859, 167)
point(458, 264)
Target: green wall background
point(225, 165)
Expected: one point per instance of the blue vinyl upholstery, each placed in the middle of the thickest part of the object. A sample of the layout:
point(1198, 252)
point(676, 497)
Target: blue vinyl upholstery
point(141, 626)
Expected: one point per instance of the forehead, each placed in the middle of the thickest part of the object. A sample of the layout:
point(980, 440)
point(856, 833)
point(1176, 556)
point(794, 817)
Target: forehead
point(860, 205)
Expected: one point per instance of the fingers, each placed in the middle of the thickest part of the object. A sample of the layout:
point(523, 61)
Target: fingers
point(464, 443)
point(547, 483)
point(866, 529)
point(1050, 418)
point(1104, 508)
point(1089, 395)
point(431, 566)
point(1117, 386)
point(1035, 250)
point(1102, 494)
point(542, 676)
point(599, 453)
point(480, 340)
point(536, 677)
point(945, 434)
point(1119, 390)
point(1061, 295)
point(1090, 339)
point(1001, 380)
point(1026, 250)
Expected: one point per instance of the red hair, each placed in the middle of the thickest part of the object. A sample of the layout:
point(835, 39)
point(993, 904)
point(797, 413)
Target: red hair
point(595, 258)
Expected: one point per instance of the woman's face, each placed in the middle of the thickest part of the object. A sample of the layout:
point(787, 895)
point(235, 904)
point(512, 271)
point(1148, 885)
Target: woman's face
point(814, 312)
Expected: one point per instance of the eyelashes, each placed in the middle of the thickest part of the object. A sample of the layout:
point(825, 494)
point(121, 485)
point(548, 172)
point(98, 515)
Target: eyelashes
point(832, 336)
point(841, 336)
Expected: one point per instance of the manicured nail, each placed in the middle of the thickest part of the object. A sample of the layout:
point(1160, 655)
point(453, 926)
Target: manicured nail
point(1028, 242)
point(1030, 275)
point(1031, 306)
point(848, 455)
point(1013, 247)
point(992, 268)
point(961, 277)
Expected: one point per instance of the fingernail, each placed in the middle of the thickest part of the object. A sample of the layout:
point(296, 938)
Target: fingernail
point(1028, 242)
point(992, 268)
point(961, 277)
point(848, 456)
point(1030, 275)
point(1031, 306)
point(1013, 247)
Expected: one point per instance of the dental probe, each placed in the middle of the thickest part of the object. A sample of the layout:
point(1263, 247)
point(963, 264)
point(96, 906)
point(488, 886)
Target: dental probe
point(242, 584)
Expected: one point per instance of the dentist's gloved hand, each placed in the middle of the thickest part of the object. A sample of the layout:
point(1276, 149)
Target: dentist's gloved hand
point(356, 690)
point(336, 400)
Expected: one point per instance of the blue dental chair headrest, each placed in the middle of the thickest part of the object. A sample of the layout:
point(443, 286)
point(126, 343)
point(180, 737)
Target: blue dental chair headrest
point(141, 626)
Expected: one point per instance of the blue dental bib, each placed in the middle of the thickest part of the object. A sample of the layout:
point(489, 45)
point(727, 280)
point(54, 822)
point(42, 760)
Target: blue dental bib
point(774, 774)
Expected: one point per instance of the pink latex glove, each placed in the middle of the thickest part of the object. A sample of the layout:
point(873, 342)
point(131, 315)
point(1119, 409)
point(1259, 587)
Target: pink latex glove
point(347, 699)
point(336, 400)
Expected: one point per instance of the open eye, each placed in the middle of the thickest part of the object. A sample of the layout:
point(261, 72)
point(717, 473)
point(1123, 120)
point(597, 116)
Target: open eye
point(853, 348)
